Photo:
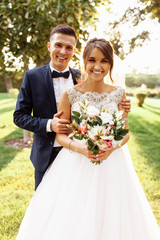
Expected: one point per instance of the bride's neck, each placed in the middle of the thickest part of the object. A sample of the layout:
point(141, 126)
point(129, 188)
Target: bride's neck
point(95, 86)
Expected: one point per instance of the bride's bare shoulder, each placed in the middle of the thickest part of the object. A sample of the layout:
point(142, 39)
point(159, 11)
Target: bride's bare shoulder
point(79, 87)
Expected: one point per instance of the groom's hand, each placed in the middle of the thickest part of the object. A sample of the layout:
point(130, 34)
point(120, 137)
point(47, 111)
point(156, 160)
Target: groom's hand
point(126, 105)
point(59, 125)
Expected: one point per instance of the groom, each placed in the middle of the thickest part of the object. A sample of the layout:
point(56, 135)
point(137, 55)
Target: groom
point(40, 92)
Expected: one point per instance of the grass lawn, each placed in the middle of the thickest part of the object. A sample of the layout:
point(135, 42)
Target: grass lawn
point(16, 171)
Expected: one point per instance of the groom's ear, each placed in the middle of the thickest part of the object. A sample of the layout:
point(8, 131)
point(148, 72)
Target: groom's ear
point(49, 46)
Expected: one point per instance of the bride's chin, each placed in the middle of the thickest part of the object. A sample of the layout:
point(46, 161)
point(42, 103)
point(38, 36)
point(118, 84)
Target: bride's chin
point(97, 78)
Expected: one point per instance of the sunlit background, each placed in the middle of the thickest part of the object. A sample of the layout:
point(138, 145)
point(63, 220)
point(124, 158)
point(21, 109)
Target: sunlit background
point(144, 59)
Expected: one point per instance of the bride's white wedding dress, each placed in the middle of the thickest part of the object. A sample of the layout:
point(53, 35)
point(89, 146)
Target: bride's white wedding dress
point(78, 200)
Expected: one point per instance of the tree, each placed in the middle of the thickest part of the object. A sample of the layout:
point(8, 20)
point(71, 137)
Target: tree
point(32, 21)
point(4, 36)
point(25, 26)
point(153, 7)
point(125, 32)
point(133, 19)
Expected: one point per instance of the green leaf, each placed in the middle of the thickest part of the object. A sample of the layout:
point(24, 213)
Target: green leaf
point(76, 119)
point(96, 162)
point(122, 132)
point(42, 6)
point(80, 119)
point(94, 123)
point(90, 124)
point(91, 148)
point(77, 114)
point(96, 150)
point(118, 138)
point(99, 120)
point(34, 39)
point(27, 15)
point(80, 137)
point(69, 19)
point(90, 143)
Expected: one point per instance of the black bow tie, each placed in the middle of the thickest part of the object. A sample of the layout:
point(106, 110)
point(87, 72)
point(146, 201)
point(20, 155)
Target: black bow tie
point(56, 74)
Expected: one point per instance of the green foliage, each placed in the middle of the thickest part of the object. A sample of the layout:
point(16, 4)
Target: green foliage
point(99, 120)
point(133, 17)
point(140, 96)
point(94, 148)
point(124, 43)
point(136, 80)
point(25, 28)
point(32, 21)
point(153, 7)
point(121, 133)
point(153, 93)
point(77, 114)
point(119, 45)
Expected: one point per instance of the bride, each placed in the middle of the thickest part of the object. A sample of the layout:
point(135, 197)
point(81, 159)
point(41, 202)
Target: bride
point(79, 200)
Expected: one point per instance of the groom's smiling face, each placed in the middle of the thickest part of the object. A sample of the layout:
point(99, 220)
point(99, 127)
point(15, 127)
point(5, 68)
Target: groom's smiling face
point(61, 48)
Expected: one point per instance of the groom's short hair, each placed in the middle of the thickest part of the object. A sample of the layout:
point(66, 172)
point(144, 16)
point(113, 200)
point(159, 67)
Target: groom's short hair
point(64, 29)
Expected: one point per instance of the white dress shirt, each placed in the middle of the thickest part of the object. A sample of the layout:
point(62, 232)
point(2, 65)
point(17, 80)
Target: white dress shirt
point(59, 84)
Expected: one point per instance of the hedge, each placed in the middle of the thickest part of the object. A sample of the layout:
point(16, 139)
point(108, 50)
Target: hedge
point(136, 80)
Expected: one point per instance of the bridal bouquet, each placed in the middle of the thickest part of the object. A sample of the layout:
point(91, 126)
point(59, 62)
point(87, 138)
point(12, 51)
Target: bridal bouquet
point(99, 129)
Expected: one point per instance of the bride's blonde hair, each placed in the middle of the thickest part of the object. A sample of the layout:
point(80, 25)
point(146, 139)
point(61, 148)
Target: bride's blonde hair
point(104, 46)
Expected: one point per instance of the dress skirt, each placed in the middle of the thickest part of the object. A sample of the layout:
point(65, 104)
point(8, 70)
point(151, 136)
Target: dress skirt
point(78, 200)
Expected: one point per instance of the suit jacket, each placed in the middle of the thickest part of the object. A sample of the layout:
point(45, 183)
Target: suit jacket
point(37, 96)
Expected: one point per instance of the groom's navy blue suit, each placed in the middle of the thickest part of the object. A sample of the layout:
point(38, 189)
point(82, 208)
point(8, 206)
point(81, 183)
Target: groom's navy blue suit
point(37, 95)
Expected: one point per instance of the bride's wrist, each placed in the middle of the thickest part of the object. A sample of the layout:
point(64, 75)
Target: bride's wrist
point(80, 148)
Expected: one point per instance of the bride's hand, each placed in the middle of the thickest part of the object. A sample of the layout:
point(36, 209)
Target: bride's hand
point(101, 156)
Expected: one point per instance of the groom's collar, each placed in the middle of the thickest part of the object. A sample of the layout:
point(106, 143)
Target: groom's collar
point(53, 69)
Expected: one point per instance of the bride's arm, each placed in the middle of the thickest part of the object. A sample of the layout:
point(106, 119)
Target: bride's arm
point(124, 116)
point(126, 137)
point(63, 139)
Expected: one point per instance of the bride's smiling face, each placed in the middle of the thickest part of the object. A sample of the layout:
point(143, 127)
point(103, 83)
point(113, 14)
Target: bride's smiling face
point(97, 65)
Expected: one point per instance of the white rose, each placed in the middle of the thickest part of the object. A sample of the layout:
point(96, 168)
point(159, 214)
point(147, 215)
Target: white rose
point(110, 137)
point(96, 130)
point(119, 115)
point(107, 118)
point(92, 111)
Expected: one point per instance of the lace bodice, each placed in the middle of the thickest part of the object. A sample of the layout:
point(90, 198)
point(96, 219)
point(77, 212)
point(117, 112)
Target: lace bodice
point(108, 101)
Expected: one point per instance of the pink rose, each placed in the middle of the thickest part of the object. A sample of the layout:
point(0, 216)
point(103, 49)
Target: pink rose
point(84, 128)
point(108, 143)
point(109, 128)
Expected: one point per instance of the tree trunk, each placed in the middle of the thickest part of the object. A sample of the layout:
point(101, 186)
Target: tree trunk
point(26, 136)
point(8, 83)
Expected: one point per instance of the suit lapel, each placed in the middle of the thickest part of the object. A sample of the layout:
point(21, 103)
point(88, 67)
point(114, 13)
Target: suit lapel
point(49, 85)
point(49, 82)
point(75, 74)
